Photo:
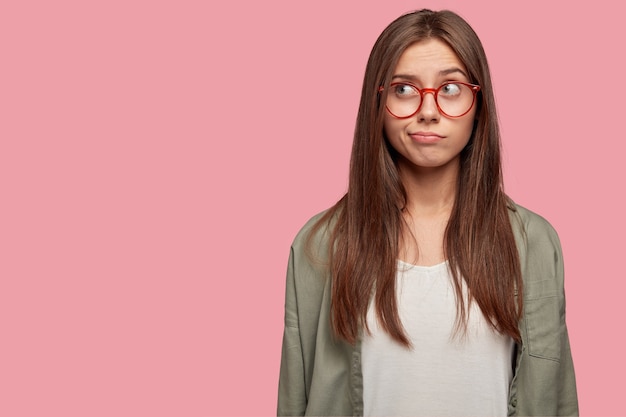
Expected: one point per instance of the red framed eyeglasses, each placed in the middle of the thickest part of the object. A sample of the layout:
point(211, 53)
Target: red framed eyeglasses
point(453, 98)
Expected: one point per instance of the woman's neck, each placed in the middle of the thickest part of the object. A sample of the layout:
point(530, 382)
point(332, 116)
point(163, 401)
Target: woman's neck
point(430, 191)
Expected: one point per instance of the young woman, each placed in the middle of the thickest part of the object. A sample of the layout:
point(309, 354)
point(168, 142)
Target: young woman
point(425, 290)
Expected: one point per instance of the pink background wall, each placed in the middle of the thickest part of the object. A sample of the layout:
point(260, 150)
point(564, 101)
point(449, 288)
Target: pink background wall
point(158, 157)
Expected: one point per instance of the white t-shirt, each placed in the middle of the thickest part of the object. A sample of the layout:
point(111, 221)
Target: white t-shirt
point(444, 373)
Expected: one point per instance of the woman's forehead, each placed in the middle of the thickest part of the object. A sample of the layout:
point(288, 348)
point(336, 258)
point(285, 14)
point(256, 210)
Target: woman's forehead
point(430, 57)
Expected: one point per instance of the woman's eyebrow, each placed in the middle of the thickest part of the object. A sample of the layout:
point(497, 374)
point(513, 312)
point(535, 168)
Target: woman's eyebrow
point(442, 73)
point(452, 71)
point(405, 77)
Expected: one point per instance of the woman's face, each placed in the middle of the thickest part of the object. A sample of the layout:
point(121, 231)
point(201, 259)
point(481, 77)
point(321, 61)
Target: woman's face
point(429, 139)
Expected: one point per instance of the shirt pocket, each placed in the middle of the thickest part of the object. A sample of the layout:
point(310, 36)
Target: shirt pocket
point(543, 320)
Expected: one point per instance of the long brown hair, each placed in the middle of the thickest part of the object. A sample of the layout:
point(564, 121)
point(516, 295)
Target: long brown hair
point(368, 223)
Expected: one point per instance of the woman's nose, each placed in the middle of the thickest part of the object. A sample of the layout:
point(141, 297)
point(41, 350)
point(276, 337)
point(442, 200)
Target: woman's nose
point(428, 110)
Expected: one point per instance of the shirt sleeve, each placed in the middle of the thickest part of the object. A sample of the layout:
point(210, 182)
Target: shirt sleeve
point(291, 384)
point(568, 397)
point(545, 382)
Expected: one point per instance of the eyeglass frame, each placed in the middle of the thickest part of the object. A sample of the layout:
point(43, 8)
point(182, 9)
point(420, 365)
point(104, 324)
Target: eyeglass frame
point(474, 87)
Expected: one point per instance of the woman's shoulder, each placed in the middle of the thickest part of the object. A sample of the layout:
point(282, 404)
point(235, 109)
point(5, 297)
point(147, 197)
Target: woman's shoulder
point(310, 247)
point(530, 225)
point(539, 249)
point(309, 226)
point(316, 230)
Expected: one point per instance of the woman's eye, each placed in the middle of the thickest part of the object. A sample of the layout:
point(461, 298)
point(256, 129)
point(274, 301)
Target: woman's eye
point(450, 89)
point(404, 90)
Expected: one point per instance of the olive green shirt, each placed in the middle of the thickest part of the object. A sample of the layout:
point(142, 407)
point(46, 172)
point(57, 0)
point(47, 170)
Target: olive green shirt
point(321, 375)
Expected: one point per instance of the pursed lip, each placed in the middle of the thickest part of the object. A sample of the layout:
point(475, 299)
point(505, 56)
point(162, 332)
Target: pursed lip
point(425, 137)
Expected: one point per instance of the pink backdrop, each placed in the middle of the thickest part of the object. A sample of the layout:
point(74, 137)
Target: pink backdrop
point(158, 157)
